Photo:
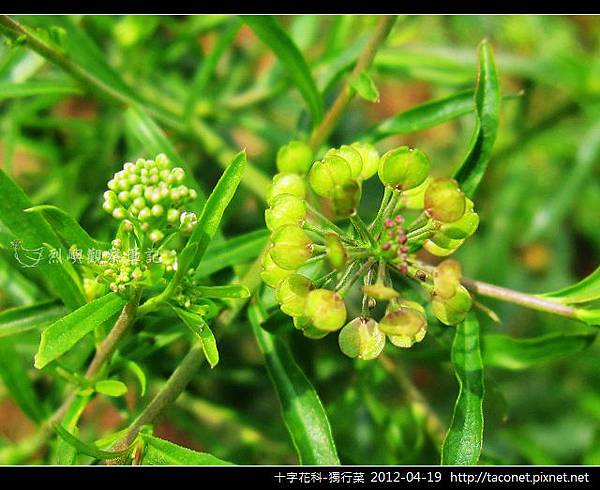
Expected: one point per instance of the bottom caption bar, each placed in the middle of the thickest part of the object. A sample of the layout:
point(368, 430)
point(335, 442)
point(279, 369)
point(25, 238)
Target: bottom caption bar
point(316, 476)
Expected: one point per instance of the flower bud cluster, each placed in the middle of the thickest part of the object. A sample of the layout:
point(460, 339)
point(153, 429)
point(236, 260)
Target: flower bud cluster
point(151, 193)
point(438, 218)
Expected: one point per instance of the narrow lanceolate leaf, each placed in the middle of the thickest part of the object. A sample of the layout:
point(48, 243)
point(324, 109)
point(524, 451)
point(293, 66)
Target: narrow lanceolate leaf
point(301, 408)
point(463, 442)
point(154, 141)
point(160, 452)
point(487, 102)
point(231, 291)
point(268, 30)
point(588, 289)
point(565, 196)
point(217, 202)
point(59, 337)
point(11, 90)
point(238, 250)
point(14, 376)
point(424, 116)
point(68, 229)
point(24, 318)
point(197, 324)
point(85, 448)
point(365, 87)
point(65, 453)
point(33, 232)
point(509, 353)
point(111, 387)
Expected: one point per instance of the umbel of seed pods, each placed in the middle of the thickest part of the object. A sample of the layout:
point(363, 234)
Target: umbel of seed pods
point(148, 197)
point(303, 237)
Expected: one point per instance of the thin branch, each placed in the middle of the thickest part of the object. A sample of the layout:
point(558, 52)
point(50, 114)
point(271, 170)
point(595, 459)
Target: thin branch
point(322, 132)
point(433, 425)
point(104, 351)
point(519, 298)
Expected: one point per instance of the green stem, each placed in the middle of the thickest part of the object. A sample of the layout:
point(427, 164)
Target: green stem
point(104, 351)
point(322, 132)
point(349, 281)
point(326, 221)
point(385, 199)
point(362, 230)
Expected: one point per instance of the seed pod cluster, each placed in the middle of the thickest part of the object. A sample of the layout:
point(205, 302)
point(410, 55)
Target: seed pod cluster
point(151, 193)
point(313, 263)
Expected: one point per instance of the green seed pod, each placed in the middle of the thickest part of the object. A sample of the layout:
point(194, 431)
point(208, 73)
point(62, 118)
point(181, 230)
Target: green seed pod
point(291, 294)
point(286, 184)
point(404, 326)
point(442, 240)
point(291, 247)
point(295, 157)
point(444, 201)
point(403, 168)
point(361, 339)
point(380, 292)
point(453, 310)
point(119, 213)
point(286, 209)
point(438, 251)
point(313, 333)
point(463, 227)
point(351, 155)
point(370, 159)
point(336, 252)
point(301, 322)
point(327, 174)
point(346, 198)
point(326, 310)
point(446, 279)
point(271, 273)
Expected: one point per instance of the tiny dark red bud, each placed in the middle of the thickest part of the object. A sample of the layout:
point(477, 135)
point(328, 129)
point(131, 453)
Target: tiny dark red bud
point(404, 250)
point(403, 256)
point(402, 239)
point(386, 246)
point(403, 268)
point(388, 223)
point(399, 219)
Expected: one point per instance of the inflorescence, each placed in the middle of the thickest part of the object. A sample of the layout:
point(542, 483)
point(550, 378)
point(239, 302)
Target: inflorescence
point(315, 264)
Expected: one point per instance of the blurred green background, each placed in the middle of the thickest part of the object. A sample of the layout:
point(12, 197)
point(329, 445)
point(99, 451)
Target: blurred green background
point(539, 206)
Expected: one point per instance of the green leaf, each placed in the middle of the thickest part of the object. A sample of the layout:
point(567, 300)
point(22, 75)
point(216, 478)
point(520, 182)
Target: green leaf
point(68, 229)
point(217, 202)
point(154, 141)
point(65, 453)
point(16, 380)
point(209, 65)
point(238, 250)
point(588, 289)
point(111, 387)
point(59, 337)
point(24, 318)
point(34, 232)
point(10, 90)
point(464, 439)
point(161, 452)
point(231, 291)
point(507, 352)
point(424, 116)
point(487, 101)
point(268, 30)
point(565, 196)
point(87, 449)
point(197, 324)
point(138, 372)
point(302, 410)
point(365, 87)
